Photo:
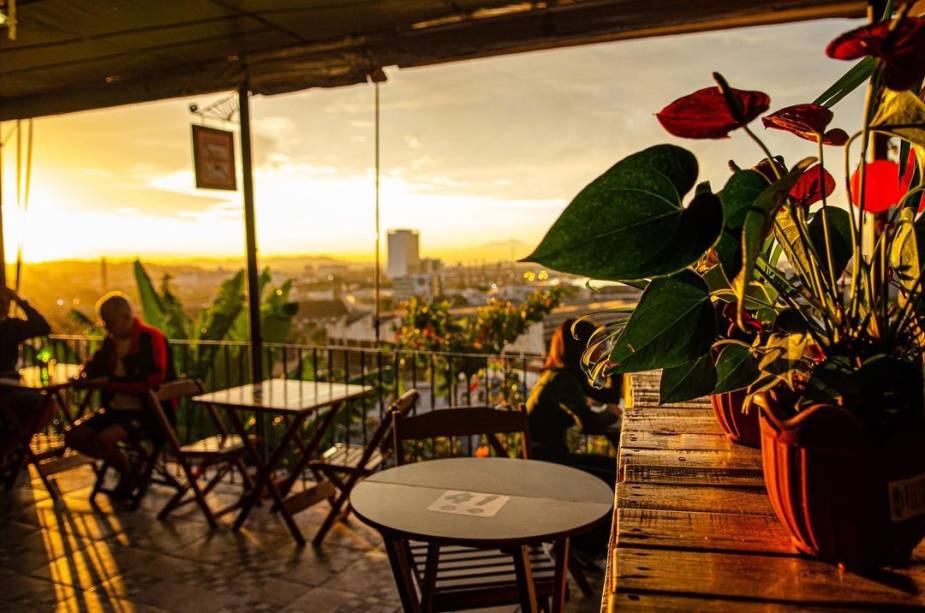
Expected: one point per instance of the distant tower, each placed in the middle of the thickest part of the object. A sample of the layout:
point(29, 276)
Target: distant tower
point(104, 275)
point(404, 257)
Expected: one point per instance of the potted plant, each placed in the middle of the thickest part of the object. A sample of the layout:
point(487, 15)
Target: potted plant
point(828, 302)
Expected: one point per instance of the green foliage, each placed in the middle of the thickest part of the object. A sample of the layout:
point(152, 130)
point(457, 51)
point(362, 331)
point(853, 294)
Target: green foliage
point(688, 381)
point(630, 223)
point(673, 324)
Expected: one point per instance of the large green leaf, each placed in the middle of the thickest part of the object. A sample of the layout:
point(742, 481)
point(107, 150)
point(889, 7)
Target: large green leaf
point(736, 368)
point(738, 195)
point(629, 223)
point(904, 256)
point(674, 323)
point(217, 321)
point(688, 381)
point(850, 81)
point(839, 238)
point(152, 308)
point(758, 222)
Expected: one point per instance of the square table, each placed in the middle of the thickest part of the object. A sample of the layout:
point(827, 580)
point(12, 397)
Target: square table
point(295, 401)
point(53, 379)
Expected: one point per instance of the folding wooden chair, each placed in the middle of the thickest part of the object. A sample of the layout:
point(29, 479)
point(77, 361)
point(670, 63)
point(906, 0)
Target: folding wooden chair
point(467, 577)
point(222, 452)
point(345, 464)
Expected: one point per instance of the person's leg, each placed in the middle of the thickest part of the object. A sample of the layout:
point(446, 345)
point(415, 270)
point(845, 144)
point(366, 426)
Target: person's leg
point(98, 436)
point(107, 442)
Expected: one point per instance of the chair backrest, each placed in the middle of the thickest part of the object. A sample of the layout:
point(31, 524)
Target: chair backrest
point(400, 406)
point(462, 422)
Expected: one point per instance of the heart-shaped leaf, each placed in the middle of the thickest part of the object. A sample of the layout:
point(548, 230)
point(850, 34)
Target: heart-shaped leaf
point(736, 368)
point(687, 381)
point(839, 238)
point(737, 196)
point(674, 323)
point(758, 223)
point(629, 223)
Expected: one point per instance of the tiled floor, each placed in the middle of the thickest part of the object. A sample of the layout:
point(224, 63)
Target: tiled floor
point(73, 557)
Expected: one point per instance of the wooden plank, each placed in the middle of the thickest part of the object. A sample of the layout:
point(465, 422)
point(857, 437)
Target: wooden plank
point(735, 457)
point(645, 603)
point(695, 424)
point(767, 578)
point(674, 441)
point(719, 477)
point(655, 412)
point(653, 399)
point(309, 497)
point(722, 532)
point(705, 499)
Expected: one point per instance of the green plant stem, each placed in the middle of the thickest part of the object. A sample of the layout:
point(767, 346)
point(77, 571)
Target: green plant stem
point(825, 232)
point(764, 148)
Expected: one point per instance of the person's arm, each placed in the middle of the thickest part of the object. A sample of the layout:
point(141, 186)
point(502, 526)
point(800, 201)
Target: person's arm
point(611, 393)
point(36, 324)
point(573, 400)
point(98, 364)
point(152, 376)
point(33, 325)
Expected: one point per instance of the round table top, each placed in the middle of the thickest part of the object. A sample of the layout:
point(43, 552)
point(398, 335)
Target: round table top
point(482, 501)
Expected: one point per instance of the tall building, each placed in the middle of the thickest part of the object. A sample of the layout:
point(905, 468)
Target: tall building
point(404, 258)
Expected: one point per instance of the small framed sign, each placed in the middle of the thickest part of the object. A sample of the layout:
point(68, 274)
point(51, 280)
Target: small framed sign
point(213, 157)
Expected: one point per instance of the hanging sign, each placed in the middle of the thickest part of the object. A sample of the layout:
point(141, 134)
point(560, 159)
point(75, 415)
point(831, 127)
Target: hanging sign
point(213, 157)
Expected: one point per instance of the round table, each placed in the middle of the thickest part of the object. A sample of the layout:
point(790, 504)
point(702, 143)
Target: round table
point(481, 502)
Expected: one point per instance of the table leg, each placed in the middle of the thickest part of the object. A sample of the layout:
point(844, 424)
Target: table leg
point(401, 570)
point(309, 450)
point(525, 579)
point(265, 476)
point(430, 577)
point(561, 574)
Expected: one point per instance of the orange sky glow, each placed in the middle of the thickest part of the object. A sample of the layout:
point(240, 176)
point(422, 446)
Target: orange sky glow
point(480, 156)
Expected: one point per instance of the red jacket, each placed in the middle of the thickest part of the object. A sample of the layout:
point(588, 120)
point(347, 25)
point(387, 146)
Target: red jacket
point(147, 363)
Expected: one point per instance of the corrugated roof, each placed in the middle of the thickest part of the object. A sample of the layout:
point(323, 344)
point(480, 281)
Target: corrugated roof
point(79, 54)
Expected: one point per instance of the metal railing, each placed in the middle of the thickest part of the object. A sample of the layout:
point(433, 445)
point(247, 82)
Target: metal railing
point(443, 378)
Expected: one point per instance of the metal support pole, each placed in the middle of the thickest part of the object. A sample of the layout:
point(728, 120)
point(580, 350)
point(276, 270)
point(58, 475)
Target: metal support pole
point(2, 244)
point(377, 271)
point(250, 233)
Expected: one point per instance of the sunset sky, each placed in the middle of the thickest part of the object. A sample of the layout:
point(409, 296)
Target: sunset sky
point(474, 154)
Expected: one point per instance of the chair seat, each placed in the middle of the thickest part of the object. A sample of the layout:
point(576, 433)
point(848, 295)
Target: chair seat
point(471, 578)
point(346, 456)
point(217, 445)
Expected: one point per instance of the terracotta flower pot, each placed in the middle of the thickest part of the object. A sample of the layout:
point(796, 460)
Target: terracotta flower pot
point(741, 428)
point(842, 496)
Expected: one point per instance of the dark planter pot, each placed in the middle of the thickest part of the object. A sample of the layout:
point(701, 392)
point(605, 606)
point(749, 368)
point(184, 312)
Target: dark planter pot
point(841, 496)
point(741, 428)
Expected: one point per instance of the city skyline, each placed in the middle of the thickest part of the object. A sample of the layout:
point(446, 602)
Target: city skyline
point(479, 156)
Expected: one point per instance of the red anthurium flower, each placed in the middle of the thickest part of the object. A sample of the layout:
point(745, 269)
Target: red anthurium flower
point(902, 50)
point(706, 114)
point(809, 187)
point(882, 186)
point(806, 121)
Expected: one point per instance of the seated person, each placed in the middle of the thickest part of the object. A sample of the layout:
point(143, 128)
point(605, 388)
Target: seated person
point(133, 360)
point(22, 411)
point(561, 399)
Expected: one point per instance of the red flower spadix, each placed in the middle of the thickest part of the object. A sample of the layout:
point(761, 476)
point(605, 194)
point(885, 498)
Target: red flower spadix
point(807, 121)
point(809, 187)
point(706, 113)
point(882, 186)
point(901, 51)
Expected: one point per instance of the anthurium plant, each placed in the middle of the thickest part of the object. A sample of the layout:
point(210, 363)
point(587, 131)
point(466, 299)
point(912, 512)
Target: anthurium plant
point(766, 283)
